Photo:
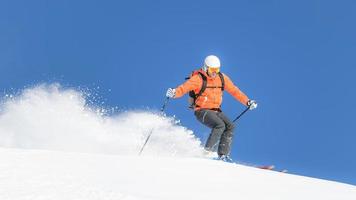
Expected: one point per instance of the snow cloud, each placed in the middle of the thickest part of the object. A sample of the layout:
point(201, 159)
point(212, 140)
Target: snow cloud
point(51, 117)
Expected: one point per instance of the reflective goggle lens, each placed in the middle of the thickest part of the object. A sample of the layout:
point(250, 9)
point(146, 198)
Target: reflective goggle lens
point(213, 70)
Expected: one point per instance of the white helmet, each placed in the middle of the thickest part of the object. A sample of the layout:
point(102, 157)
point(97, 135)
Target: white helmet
point(211, 61)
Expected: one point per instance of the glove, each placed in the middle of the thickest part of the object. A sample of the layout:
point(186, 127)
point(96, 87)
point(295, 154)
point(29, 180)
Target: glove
point(252, 104)
point(171, 93)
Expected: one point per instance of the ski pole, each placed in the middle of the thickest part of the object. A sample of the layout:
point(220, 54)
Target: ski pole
point(164, 104)
point(148, 137)
point(243, 112)
point(151, 131)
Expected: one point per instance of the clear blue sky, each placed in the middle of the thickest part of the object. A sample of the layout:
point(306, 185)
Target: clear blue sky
point(296, 58)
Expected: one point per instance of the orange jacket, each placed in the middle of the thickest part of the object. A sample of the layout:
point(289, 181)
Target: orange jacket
point(211, 97)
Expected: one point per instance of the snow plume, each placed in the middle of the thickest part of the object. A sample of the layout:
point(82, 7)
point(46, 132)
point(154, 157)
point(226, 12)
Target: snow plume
point(55, 118)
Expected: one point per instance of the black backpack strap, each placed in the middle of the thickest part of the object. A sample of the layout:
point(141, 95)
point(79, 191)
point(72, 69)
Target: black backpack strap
point(222, 81)
point(203, 87)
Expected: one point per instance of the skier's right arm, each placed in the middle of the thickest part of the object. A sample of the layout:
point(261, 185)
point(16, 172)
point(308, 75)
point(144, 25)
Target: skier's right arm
point(191, 84)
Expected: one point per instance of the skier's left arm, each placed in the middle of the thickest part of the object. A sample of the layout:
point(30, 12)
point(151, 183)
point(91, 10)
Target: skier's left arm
point(231, 88)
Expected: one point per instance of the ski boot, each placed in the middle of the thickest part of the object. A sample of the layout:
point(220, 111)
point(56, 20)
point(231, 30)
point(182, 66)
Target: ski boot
point(225, 158)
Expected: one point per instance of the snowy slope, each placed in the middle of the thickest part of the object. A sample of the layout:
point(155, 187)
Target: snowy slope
point(39, 174)
point(55, 144)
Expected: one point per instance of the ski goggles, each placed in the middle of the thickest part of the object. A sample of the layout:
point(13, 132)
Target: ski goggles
point(213, 70)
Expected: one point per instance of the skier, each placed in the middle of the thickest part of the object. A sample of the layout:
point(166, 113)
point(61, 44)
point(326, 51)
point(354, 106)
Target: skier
point(205, 87)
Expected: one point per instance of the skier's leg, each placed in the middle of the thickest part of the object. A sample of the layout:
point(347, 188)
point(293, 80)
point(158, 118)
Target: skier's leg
point(212, 120)
point(227, 136)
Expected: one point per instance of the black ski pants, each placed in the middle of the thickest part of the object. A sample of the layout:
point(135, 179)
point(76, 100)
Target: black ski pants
point(222, 129)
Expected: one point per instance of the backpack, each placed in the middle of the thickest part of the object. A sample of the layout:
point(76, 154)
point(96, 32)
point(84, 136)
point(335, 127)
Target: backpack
point(193, 96)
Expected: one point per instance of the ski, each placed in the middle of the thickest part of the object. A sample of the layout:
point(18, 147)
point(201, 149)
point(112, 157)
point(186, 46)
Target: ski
point(272, 168)
point(265, 167)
